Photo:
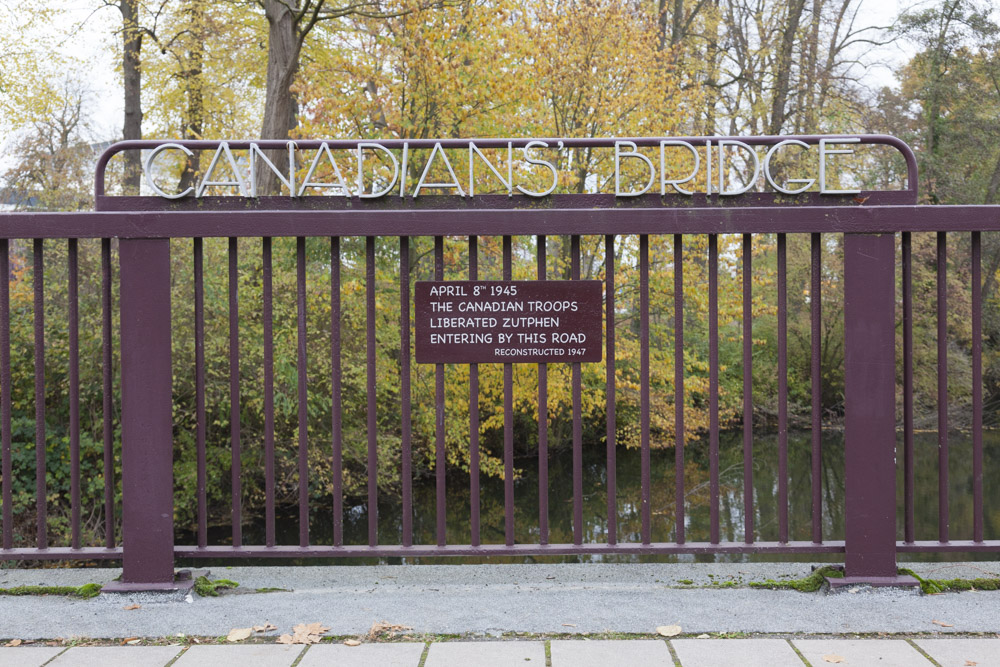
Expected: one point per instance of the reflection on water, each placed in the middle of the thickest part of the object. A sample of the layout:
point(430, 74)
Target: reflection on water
point(731, 510)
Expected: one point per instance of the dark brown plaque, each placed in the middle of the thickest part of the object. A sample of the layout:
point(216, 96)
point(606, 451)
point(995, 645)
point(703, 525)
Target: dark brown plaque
point(508, 321)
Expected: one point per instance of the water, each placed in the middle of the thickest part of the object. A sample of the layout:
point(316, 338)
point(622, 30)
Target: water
point(731, 510)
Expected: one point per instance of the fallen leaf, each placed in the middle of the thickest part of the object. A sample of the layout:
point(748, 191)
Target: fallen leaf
point(668, 630)
point(569, 625)
point(352, 642)
point(303, 633)
point(238, 634)
point(943, 624)
point(128, 639)
point(384, 627)
point(310, 628)
point(13, 642)
point(833, 658)
point(130, 607)
point(267, 627)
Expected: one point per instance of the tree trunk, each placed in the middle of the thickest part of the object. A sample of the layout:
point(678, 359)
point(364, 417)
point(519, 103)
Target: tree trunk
point(677, 23)
point(284, 46)
point(194, 90)
point(783, 67)
point(806, 120)
point(132, 75)
point(661, 21)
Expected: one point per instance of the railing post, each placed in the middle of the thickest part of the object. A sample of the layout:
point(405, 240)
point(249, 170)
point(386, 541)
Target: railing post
point(147, 419)
point(870, 410)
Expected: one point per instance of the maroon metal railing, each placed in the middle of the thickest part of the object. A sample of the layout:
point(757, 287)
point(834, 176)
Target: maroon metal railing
point(144, 226)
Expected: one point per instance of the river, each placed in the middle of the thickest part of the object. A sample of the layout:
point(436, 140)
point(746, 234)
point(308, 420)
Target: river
point(697, 500)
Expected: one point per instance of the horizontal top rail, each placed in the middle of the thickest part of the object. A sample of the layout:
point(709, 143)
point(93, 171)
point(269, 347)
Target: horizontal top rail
point(567, 142)
point(495, 222)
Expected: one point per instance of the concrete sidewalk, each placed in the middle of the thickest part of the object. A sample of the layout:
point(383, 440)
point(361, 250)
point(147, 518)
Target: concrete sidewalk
point(554, 653)
point(585, 614)
point(490, 600)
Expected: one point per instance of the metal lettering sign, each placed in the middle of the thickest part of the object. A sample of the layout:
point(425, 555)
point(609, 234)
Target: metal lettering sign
point(343, 166)
point(509, 321)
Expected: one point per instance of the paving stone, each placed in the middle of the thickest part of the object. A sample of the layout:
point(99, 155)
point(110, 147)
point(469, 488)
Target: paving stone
point(601, 653)
point(116, 656)
point(28, 656)
point(961, 652)
point(247, 655)
point(366, 655)
point(486, 654)
point(881, 652)
point(742, 652)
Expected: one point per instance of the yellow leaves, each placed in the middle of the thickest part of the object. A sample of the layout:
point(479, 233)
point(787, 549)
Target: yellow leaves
point(426, 72)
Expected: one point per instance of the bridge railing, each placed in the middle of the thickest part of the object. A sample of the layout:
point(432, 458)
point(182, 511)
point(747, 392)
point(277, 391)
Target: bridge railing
point(141, 230)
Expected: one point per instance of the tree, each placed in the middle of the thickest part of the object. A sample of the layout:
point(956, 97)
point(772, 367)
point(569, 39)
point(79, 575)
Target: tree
point(53, 159)
point(289, 24)
point(204, 78)
point(783, 67)
point(949, 35)
point(132, 32)
point(27, 51)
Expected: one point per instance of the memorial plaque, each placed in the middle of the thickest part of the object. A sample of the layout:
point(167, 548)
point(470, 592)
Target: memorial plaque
point(508, 321)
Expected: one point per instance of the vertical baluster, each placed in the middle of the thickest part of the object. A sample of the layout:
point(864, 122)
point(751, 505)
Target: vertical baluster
point(942, 388)
point(508, 423)
point(748, 508)
point(577, 416)
point(106, 383)
point(908, 470)
point(440, 466)
point(474, 417)
point(404, 388)
point(713, 383)
point(74, 388)
point(199, 370)
point(335, 399)
point(303, 395)
point(41, 503)
point(645, 511)
point(371, 397)
point(679, 388)
point(977, 389)
point(609, 374)
point(816, 301)
point(782, 390)
point(236, 503)
point(5, 402)
point(269, 538)
point(543, 420)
